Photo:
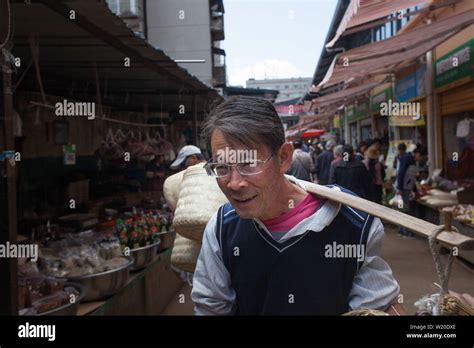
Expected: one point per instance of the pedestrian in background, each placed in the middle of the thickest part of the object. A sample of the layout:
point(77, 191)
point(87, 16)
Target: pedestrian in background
point(376, 174)
point(360, 153)
point(323, 163)
point(351, 173)
point(302, 165)
point(337, 152)
point(406, 178)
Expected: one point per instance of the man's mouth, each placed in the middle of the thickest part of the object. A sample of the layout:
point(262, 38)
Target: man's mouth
point(244, 199)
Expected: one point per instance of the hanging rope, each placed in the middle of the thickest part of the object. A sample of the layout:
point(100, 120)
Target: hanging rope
point(443, 275)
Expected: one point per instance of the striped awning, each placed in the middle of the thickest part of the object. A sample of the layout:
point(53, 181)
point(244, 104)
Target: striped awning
point(363, 11)
point(385, 56)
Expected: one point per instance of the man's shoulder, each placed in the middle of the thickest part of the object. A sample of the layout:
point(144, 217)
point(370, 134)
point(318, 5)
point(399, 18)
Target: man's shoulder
point(355, 215)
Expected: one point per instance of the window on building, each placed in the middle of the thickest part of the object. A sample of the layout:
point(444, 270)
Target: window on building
point(287, 86)
point(388, 30)
point(123, 6)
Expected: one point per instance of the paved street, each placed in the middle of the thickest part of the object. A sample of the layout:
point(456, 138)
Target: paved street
point(413, 267)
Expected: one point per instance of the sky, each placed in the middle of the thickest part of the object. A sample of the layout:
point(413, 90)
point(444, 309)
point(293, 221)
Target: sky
point(274, 38)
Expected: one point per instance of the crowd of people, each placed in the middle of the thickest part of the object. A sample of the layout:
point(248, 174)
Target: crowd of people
point(362, 170)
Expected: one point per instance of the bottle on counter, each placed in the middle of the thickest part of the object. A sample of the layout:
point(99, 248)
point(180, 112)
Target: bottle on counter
point(134, 241)
point(164, 224)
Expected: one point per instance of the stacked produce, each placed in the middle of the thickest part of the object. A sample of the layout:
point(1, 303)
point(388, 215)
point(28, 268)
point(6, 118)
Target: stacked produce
point(142, 228)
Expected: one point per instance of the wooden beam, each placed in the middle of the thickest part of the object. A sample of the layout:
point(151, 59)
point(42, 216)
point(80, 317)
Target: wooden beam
point(419, 226)
point(9, 266)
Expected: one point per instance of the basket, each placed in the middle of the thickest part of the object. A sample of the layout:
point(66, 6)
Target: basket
point(199, 198)
point(171, 189)
point(185, 253)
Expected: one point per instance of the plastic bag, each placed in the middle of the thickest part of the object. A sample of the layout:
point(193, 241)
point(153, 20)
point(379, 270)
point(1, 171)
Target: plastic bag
point(396, 201)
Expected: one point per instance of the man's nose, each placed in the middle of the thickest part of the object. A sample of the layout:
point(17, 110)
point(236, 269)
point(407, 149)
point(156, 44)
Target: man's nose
point(236, 180)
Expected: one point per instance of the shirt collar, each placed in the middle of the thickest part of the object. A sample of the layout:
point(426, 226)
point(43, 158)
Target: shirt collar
point(316, 222)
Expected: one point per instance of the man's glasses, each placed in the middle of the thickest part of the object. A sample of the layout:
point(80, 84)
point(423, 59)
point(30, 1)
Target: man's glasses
point(221, 170)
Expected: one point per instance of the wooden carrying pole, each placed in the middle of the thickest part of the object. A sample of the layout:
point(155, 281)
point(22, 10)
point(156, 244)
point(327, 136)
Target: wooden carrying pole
point(421, 227)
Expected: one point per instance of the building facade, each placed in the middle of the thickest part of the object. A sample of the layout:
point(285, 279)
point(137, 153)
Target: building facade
point(290, 88)
point(189, 31)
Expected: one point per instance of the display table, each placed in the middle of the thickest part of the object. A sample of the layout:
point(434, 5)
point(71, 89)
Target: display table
point(148, 292)
point(433, 214)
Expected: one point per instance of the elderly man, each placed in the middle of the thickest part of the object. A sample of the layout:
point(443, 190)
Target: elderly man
point(271, 250)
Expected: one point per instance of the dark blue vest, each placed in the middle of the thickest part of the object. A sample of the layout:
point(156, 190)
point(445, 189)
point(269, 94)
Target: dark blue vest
point(293, 277)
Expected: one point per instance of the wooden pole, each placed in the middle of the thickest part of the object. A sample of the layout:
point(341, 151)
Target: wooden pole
point(420, 227)
point(9, 266)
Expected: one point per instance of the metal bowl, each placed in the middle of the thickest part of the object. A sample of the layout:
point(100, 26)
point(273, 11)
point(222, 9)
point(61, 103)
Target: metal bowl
point(145, 255)
point(69, 308)
point(101, 285)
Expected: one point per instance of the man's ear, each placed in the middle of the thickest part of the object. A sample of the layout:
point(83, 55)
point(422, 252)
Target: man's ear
point(285, 156)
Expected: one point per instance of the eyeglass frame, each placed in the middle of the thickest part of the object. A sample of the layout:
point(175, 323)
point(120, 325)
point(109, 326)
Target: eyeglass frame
point(210, 173)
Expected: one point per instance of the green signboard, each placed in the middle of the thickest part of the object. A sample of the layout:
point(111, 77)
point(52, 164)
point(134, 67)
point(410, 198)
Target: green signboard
point(379, 98)
point(363, 109)
point(351, 113)
point(455, 65)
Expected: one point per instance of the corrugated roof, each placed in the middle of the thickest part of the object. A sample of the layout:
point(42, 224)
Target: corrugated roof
point(70, 48)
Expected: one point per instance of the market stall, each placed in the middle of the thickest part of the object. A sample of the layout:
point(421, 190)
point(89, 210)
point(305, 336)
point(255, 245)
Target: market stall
point(90, 137)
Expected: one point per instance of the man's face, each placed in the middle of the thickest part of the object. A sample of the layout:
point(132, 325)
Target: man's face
point(191, 160)
point(253, 196)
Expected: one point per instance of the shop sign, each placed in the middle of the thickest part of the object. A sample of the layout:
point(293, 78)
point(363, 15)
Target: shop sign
point(411, 86)
point(455, 65)
point(362, 110)
point(404, 121)
point(290, 110)
point(336, 121)
point(351, 113)
point(379, 98)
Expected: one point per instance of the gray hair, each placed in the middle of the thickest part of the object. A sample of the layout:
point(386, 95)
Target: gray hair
point(246, 121)
point(330, 144)
point(337, 150)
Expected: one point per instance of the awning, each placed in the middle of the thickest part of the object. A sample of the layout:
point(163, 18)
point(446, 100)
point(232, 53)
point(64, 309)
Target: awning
point(383, 56)
point(363, 11)
point(312, 133)
point(307, 122)
point(345, 95)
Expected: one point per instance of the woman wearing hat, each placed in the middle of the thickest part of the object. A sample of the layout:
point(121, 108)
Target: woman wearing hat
point(376, 174)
